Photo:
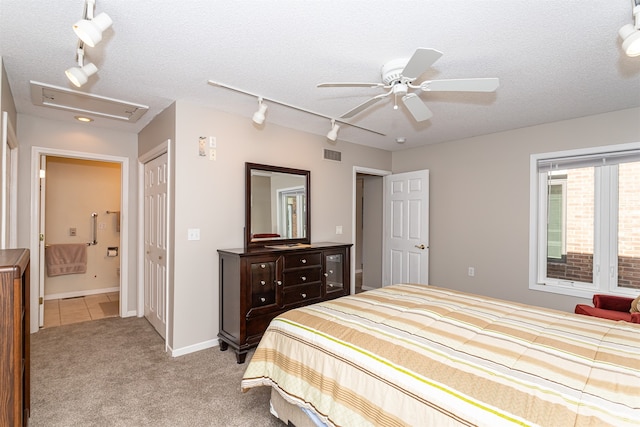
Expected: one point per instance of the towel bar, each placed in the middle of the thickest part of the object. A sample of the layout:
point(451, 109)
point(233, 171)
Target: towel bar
point(88, 244)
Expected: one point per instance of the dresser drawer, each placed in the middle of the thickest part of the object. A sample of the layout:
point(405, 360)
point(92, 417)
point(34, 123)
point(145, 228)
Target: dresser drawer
point(302, 276)
point(302, 293)
point(302, 260)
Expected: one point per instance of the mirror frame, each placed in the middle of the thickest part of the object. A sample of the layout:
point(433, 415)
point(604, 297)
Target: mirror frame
point(249, 242)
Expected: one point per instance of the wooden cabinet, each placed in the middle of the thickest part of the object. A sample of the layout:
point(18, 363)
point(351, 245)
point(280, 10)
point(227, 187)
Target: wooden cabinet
point(258, 284)
point(14, 337)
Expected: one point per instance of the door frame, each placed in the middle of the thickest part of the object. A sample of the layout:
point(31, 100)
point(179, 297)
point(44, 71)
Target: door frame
point(356, 171)
point(159, 150)
point(9, 232)
point(37, 262)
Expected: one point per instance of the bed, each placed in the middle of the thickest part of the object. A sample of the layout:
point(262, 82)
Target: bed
point(421, 355)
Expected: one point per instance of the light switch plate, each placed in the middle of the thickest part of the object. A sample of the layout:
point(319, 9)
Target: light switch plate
point(212, 142)
point(193, 234)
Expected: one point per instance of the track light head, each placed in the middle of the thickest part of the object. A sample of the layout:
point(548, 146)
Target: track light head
point(259, 116)
point(630, 33)
point(90, 31)
point(333, 133)
point(80, 75)
point(630, 40)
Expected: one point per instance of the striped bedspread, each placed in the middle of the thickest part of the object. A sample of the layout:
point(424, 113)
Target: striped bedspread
point(412, 355)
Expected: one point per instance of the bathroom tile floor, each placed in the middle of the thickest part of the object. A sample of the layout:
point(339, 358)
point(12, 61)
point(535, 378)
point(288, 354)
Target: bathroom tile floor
point(80, 309)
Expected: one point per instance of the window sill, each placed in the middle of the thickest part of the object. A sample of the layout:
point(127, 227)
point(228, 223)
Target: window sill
point(579, 292)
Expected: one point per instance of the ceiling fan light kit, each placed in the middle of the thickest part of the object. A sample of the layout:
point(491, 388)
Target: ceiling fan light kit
point(398, 76)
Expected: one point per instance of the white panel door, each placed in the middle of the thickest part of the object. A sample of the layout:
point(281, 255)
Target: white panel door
point(406, 228)
point(155, 241)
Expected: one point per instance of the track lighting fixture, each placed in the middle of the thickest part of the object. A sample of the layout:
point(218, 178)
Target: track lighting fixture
point(333, 133)
point(89, 29)
point(258, 116)
point(630, 33)
point(80, 75)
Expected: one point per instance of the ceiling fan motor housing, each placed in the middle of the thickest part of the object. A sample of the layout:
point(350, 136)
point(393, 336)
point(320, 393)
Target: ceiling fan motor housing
point(392, 71)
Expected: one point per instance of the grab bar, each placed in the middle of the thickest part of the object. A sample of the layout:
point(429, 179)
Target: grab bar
point(95, 229)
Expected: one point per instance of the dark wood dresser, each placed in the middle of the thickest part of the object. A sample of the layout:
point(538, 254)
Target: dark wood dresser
point(258, 284)
point(14, 337)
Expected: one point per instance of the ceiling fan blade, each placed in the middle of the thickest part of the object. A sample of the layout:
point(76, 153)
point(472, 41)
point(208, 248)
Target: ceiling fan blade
point(416, 107)
point(366, 104)
point(420, 62)
point(461, 85)
point(350, 84)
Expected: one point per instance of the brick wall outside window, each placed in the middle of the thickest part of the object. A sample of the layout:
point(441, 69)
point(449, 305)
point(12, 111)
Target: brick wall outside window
point(578, 264)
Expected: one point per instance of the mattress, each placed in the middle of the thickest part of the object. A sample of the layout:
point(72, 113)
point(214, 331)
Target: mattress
point(421, 355)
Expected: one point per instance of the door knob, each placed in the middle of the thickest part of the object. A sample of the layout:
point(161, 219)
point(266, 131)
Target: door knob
point(420, 246)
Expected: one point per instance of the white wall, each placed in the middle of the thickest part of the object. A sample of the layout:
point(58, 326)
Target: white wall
point(51, 134)
point(479, 201)
point(209, 195)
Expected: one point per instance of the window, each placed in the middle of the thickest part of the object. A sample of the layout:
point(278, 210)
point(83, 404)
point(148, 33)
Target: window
point(292, 221)
point(585, 221)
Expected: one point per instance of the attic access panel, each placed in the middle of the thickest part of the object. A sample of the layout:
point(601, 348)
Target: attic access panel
point(45, 95)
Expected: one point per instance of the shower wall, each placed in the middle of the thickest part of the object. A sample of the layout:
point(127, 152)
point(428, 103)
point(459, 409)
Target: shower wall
point(76, 188)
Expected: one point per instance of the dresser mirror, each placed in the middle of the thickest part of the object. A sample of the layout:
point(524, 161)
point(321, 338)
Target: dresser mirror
point(277, 207)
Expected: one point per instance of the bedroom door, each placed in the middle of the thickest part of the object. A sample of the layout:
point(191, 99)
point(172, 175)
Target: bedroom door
point(406, 228)
point(155, 242)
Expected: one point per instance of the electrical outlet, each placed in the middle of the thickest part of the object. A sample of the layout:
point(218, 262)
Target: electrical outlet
point(72, 231)
point(472, 271)
point(338, 229)
point(212, 154)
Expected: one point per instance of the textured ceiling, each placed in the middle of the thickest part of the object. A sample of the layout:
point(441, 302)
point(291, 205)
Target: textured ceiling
point(555, 59)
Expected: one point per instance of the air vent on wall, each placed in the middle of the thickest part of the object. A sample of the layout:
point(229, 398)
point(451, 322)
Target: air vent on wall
point(332, 155)
point(80, 102)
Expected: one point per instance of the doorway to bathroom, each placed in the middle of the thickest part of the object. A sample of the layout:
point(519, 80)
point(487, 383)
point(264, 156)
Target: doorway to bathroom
point(79, 200)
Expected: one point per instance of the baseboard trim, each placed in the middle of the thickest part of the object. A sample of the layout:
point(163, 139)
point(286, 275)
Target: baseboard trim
point(193, 348)
point(368, 288)
point(82, 293)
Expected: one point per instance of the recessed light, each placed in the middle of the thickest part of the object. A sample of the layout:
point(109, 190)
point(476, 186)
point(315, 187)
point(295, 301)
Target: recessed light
point(83, 119)
point(401, 140)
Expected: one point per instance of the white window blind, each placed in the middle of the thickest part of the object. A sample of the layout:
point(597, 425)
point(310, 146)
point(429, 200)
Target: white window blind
point(586, 160)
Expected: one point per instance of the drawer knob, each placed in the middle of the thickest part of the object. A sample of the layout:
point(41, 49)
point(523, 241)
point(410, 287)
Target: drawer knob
point(279, 282)
point(263, 266)
point(263, 299)
point(331, 285)
point(262, 282)
point(331, 271)
point(304, 261)
point(303, 295)
point(326, 274)
point(303, 278)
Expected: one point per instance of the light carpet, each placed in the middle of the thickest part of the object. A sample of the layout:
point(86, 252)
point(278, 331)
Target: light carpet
point(114, 372)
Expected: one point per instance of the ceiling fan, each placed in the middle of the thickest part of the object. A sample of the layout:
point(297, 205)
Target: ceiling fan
point(398, 76)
